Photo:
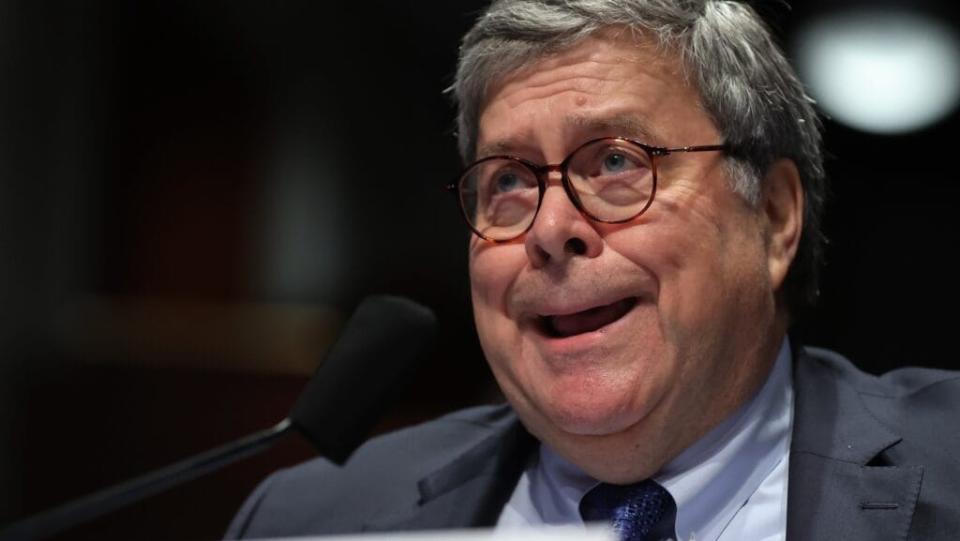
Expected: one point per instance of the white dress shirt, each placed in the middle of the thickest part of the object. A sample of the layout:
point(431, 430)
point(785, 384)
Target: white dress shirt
point(731, 485)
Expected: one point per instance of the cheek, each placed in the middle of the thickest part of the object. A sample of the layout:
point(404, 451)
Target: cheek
point(704, 255)
point(493, 268)
point(718, 292)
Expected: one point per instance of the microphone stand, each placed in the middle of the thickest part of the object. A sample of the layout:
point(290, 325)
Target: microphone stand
point(100, 503)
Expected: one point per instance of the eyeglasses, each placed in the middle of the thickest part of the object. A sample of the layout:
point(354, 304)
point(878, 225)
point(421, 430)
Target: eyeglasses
point(610, 180)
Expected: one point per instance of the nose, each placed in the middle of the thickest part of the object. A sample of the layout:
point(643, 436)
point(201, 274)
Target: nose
point(560, 232)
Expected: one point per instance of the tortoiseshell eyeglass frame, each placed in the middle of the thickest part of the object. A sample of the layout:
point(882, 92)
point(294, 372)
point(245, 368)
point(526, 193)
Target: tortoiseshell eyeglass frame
point(542, 171)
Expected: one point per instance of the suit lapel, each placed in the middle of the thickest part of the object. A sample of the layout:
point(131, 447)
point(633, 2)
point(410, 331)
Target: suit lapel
point(469, 491)
point(839, 486)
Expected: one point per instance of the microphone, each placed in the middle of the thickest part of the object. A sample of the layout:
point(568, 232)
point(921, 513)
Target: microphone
point(375, 351)
point(364, 370)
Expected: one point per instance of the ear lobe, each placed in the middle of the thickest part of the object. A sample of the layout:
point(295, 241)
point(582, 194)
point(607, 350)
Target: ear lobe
point(783, 209)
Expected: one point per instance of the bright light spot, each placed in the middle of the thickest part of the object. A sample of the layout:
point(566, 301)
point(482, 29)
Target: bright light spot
point(881, 71)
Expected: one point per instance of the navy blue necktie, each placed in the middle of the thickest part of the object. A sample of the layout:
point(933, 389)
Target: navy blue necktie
point(643, 511)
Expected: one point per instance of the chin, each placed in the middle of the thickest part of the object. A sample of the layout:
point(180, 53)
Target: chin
point(592, 413)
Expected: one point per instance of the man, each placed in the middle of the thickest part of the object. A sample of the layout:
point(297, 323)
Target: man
point(645, 190)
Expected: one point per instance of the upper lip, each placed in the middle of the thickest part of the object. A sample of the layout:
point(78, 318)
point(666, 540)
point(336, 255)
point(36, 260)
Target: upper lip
point(536, 295)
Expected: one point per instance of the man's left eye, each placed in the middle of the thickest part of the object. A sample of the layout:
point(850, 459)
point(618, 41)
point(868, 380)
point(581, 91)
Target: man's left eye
point(615, 162)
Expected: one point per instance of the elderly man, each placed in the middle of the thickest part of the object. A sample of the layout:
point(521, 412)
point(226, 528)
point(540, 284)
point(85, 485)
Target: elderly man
point(644, 191)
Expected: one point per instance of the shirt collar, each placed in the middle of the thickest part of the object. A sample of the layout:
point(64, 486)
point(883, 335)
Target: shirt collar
point(714, 477)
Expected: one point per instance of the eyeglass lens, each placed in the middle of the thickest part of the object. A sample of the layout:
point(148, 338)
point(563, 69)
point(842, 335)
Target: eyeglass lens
point(613, 180)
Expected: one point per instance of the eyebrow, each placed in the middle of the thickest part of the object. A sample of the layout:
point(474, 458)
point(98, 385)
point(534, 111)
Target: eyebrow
point(625, 125)
point(494, 148)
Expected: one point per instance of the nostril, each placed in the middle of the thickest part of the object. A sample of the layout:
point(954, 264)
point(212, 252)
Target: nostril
point(575, 246)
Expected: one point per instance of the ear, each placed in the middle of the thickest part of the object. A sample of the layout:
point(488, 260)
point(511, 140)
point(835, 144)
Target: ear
point(783, 213)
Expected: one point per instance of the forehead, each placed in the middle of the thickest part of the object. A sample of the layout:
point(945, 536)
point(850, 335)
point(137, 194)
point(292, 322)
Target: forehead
point(604, 85)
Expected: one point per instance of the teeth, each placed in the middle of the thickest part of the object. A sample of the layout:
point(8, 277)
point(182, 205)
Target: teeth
point(586, 321)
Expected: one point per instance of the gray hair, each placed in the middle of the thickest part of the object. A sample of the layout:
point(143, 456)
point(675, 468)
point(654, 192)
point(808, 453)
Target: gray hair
point(745, 83)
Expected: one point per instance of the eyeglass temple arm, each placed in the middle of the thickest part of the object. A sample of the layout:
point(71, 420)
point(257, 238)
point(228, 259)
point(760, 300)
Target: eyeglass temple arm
point(694, 148)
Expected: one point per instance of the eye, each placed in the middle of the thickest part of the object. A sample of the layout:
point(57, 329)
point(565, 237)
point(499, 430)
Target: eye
point(507, 178)
point(506, 181)
point(615, 162)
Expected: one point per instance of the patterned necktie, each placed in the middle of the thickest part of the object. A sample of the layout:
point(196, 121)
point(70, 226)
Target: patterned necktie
point(643, 511)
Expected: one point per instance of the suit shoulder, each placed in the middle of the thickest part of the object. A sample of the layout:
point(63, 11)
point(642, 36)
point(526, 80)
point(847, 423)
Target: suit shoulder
point(915, 403)
point(434, 442)
point(902, 383)
point(320, 497)
point(918, 382)
point(408, 453)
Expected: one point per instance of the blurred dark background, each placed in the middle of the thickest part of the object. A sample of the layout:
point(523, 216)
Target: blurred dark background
point(194, 196)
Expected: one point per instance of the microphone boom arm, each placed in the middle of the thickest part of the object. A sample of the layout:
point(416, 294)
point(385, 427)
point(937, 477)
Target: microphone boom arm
point(92, 506)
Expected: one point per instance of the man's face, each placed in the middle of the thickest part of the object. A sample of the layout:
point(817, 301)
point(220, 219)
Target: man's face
point(620, 344)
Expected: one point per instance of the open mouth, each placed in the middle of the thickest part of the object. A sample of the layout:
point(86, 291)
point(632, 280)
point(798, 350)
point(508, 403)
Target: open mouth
point(562, 326)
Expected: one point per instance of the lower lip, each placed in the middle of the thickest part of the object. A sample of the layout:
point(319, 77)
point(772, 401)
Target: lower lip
point(584, 341)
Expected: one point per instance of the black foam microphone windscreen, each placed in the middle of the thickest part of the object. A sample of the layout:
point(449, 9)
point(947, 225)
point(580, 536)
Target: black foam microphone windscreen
point(374, 355)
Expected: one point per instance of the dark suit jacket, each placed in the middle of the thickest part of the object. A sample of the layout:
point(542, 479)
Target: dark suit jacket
point(872, 458)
